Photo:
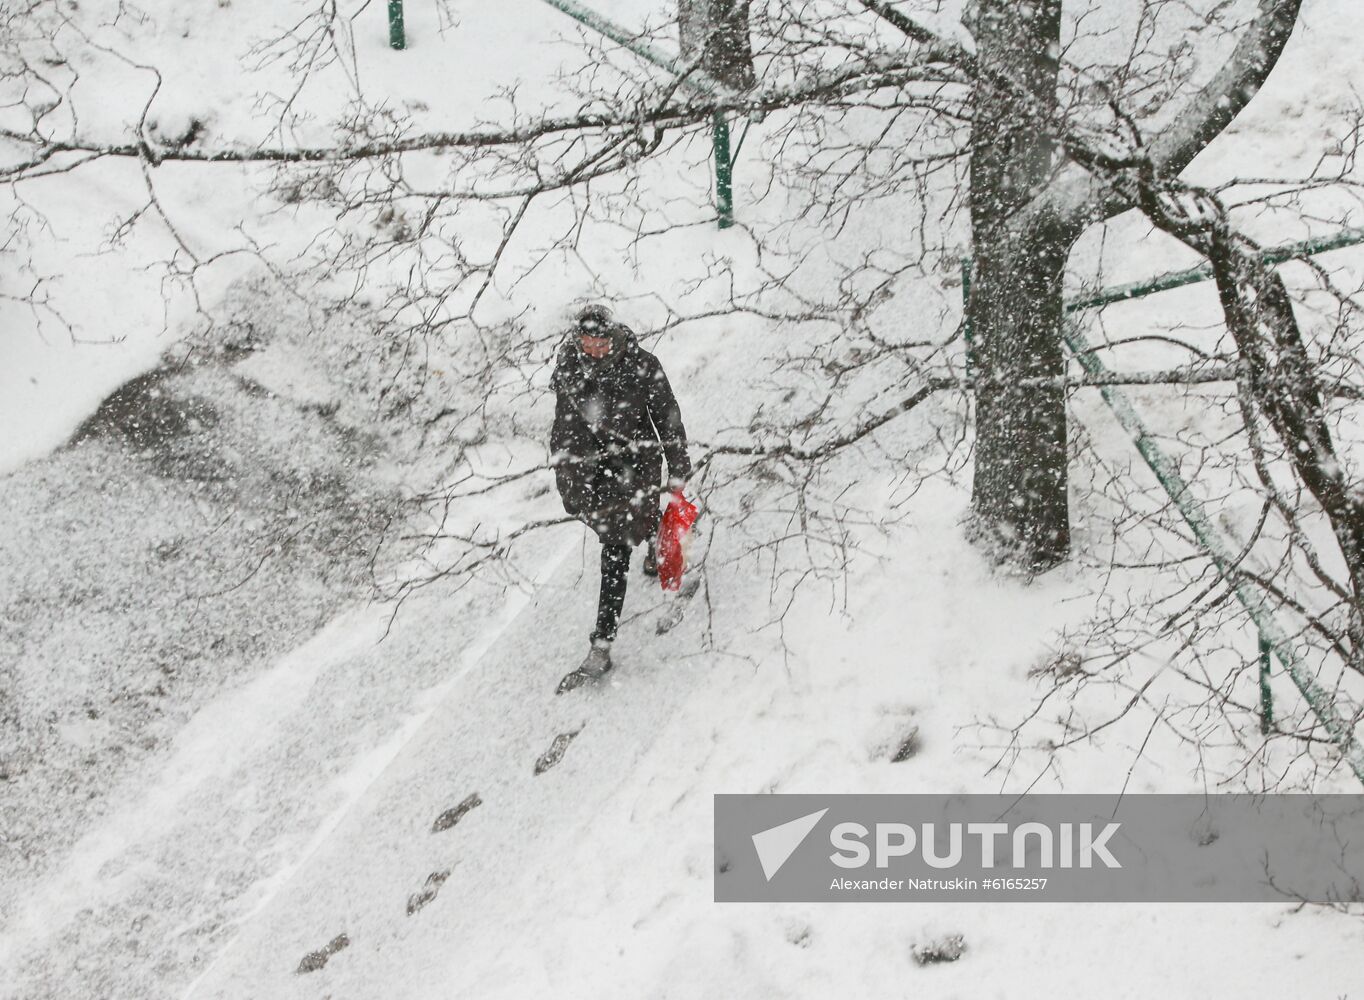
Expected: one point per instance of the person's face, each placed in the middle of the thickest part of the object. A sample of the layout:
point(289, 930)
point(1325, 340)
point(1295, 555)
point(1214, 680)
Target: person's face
point(595, 347)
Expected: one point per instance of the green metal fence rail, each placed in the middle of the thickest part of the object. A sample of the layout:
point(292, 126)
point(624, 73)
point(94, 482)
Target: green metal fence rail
point(1178, 279)
point(694, 79)
point(689, 77)
point(1175, 279)
point(1272, 635)
point(1274, 640)
point(1274, 255)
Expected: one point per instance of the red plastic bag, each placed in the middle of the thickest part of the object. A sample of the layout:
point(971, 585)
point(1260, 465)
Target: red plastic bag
point(673, 529)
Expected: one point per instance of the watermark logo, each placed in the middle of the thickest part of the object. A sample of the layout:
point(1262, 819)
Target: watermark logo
point(1057, 848)
point(776, 845)
point(1064, 845)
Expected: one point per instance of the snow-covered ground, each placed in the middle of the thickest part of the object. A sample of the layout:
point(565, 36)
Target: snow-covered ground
point(223, 764)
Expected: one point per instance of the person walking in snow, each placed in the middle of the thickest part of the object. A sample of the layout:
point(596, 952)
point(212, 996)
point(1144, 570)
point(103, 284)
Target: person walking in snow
point(615, 422)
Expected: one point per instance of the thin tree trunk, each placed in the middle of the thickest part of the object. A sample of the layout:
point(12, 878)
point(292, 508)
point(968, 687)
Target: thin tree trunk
point(1020, 511)
point(717, 31)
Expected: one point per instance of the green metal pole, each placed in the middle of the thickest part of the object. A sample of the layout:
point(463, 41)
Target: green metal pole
point(724, 172)
point(1266, 695)
point(397, 37)
point(966, 316)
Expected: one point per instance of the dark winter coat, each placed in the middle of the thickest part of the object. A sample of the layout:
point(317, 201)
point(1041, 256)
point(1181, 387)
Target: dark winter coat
point(615, 420)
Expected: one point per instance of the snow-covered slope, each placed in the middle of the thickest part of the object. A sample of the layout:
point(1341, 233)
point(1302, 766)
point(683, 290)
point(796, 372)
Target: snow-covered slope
point(299, 808)
point(284, 803)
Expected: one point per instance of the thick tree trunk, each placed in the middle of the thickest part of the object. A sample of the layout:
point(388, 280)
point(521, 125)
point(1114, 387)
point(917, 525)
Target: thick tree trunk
point(1020, 510)
point(717, 30)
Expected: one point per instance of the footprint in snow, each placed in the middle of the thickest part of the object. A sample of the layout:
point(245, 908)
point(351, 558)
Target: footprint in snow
point(555, 753)
point(433, 883)
point(450, 817)
point(676, 607)
point(314, 960)
point(944, 949)
point(896, 736)
point(909, 747)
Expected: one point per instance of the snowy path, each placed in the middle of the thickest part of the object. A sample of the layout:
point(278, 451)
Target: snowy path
point(314, 785)
point(207, 834)
point(485, 739)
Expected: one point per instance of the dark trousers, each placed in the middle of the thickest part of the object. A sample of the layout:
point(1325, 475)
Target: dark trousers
point(615, 572)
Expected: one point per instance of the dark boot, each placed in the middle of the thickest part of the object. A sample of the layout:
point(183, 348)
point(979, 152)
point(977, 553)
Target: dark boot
point(598, 659)
point(595, 665)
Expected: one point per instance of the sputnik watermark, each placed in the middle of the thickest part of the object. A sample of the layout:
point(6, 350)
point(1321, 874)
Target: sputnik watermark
point(1052, 847)
point(1065, 845)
